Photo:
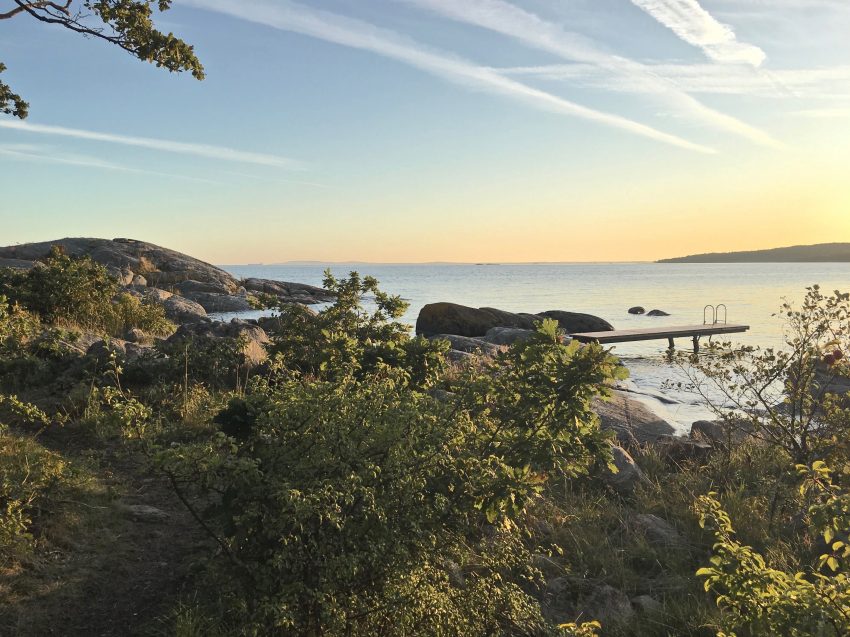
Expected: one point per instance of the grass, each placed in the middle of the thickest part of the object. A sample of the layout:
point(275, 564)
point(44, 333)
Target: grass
point(96, 570)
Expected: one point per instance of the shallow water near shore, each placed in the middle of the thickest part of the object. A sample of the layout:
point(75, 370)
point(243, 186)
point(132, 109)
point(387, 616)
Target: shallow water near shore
point(752, 293)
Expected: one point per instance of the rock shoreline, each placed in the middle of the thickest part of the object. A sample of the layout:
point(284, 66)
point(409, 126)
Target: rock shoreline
point(186, 287)
point(189, 289)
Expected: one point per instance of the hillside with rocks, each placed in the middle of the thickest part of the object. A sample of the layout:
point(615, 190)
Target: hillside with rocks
point(188, 288)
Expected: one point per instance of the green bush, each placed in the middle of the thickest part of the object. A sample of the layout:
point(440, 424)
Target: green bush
point(80, 292)
point(126, 312)
point(786, 397)
point(61, 288)
point(346, 338)
point(347, 500)
point(761, 600)
point(29, 474)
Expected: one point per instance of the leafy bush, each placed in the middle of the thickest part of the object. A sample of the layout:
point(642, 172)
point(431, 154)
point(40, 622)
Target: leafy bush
point(767, 601)
point(80, 292)
point(346, 338)
point(786, 397)
point(28, 475)
point(61, 288)
point(348, 500)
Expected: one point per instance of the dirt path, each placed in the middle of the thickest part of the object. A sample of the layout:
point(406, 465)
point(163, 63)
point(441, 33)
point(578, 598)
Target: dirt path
point(108, 567)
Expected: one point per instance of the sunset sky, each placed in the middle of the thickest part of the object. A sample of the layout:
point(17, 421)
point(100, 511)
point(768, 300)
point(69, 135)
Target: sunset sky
point(440, 130)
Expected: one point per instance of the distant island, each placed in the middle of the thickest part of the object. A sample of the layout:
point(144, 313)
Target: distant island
point(821, 252)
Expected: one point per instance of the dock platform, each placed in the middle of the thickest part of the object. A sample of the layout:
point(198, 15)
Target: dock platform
point(659, 333)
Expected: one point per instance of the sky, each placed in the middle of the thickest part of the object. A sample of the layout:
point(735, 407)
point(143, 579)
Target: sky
point(440, 130)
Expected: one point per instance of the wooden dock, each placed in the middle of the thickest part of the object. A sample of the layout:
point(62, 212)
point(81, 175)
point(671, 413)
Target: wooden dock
point(656, 333)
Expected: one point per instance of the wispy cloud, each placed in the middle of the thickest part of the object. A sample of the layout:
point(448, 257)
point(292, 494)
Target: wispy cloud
point(831, 83)
point(169, 146)
point(350, 32)
point(46, 154)
point(508, 19)
point(825, 113)
point(696, 26)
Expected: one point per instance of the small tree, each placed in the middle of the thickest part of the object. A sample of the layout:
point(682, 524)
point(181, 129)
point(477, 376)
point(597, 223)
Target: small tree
point(127, 24)
point(347, 337)
point(62, 288)
point(789, 397)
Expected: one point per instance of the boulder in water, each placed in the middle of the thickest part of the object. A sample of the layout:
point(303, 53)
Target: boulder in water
point(451, 318)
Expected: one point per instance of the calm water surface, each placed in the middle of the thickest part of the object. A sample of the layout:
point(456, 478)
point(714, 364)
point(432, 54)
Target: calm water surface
point(752, 293)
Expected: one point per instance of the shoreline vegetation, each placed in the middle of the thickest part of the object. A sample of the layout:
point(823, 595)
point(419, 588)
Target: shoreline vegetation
point(819, 253)
point(330, 473)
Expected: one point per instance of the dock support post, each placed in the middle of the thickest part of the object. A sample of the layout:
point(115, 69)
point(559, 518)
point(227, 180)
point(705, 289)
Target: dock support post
point(672, 345)
point(696, 344)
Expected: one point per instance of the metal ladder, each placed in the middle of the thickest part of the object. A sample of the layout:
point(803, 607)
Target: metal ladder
point(715, 314)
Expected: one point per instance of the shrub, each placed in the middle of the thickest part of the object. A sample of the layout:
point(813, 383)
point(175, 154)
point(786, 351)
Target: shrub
point(353, 502)
point(767, 601)
point(28, 475)
point(346, 338)
point(126, 312)
point(80, 292)
point(61, 288)
point(786, 397)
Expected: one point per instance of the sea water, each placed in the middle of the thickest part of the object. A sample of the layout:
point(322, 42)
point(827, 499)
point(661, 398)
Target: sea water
point(752, 292)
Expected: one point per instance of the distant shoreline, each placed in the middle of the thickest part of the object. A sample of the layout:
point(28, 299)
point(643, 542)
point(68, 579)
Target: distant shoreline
point(819, 253)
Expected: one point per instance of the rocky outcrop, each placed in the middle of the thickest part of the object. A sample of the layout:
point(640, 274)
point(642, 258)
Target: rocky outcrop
point(451, 318)
point(657, 313)
point(632, 421)
point(17, 264)
point(720, 433)
point(139, 266)
point(161, 267)
point(637, 309)
point(677, 450)
point(294, 292)
point(182, 310)
point(103, 350)
point(253, 336)
point(572, 322)
point(212, 302)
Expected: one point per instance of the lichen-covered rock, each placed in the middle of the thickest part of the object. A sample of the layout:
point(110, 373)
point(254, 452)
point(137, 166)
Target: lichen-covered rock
point(628, 475)
point(451, 318)
point(507, 335)
point(632, 421)
point(182, 310)
point(658, 532)
point(253, 336)
point(470, 345)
